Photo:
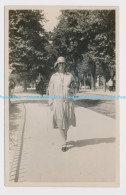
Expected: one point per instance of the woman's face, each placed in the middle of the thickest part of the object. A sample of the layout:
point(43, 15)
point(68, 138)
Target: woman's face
point(61, 66)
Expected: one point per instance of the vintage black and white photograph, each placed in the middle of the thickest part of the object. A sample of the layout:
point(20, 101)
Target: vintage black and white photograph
point(62, 96)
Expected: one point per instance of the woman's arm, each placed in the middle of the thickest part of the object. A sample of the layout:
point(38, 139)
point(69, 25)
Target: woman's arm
point(72, 86)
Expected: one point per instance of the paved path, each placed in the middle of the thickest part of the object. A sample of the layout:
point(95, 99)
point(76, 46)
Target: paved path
point(90, 156)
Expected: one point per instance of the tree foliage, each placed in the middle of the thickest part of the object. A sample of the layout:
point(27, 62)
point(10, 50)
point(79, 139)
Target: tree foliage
point(27, 40)
point(85, 37)
point(89, 33)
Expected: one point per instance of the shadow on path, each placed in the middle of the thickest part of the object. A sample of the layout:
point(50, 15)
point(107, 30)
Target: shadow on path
point(87, 142)
point(106, 107)
point(29, 101)
point(92, 102)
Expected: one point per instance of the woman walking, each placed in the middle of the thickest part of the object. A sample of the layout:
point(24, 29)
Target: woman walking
point(62, 107)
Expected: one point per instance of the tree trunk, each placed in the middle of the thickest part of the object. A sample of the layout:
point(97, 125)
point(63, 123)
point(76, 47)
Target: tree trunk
point(93, 82)
point(25, 85)
point(104, 76)
point(76, 71)
point(93, 71)
point(104, 83)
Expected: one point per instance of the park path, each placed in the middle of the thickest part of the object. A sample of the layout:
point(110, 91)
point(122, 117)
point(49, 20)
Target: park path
point(91, 153)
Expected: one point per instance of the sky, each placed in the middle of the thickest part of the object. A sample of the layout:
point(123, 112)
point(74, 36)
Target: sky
point(51, 14)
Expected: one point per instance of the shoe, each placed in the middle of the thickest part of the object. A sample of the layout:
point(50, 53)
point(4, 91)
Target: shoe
point(64, 147)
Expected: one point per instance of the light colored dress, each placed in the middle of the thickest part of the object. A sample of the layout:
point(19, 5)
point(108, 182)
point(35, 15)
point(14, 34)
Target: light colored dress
point(63, 114)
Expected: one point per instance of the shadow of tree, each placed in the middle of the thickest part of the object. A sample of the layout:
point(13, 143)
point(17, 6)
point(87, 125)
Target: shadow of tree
point(106, 107)
point(21, 101)
point(90, 102)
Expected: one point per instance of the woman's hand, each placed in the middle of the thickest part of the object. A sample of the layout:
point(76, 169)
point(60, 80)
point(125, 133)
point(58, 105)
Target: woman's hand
point(70, 91)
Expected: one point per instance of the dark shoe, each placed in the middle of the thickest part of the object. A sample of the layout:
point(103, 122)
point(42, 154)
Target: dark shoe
point(64, 147)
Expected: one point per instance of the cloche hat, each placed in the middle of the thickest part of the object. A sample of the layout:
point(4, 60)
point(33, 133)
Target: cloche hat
point(59, 60)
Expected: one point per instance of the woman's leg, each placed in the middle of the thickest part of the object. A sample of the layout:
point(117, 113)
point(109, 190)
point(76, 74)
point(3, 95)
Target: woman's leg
point(64, 139)
point(63, 134)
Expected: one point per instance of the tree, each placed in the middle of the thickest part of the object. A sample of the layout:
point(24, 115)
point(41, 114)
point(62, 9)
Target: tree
point(102, 46)
point(68, 37)
point(27, 40)
point(90, 32)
